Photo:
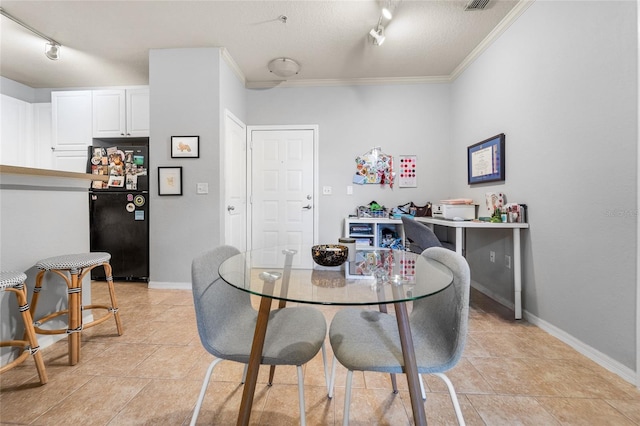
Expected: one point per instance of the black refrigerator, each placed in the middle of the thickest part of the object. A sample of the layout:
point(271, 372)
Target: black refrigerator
point(119, 209)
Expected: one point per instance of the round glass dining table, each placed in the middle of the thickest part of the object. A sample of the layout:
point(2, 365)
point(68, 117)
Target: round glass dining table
point(372, 277)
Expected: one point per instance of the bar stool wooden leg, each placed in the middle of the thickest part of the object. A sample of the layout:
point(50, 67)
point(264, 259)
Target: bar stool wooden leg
point(34, 347)
point(112, 295)
point(75, 318)
point(14, 282)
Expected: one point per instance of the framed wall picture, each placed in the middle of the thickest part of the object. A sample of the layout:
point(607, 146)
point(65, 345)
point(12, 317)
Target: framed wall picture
point(169, 180)
point(185, 146)
point(486, 160)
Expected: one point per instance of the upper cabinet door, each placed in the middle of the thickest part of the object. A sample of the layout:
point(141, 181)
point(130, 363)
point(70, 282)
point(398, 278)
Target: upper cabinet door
point(137, 112)
point(71, 120)
point(109, 114)
point(121, 113)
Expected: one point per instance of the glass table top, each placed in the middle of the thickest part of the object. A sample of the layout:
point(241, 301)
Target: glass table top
point(374, 277)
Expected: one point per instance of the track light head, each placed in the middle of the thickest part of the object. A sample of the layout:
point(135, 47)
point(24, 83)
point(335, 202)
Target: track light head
point(386, 12)
point(52, 51)
point(378, 35)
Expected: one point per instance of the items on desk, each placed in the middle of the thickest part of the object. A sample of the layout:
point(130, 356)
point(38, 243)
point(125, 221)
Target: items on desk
point(494, 201)
point(452, 211)
point(373, 210)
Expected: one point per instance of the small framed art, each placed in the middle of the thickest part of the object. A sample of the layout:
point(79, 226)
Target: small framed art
point(169, 180)
point(185, 146)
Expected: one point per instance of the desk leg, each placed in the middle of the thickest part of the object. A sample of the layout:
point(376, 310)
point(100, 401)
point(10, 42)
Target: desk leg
point(254, 361)
point(517, 273)
point(459, 241)
point(411, 369)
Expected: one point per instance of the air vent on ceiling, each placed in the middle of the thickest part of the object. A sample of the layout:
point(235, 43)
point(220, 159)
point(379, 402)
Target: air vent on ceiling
point(476, 5)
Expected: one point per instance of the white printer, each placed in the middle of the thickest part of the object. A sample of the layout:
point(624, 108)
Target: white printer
point(453, 211)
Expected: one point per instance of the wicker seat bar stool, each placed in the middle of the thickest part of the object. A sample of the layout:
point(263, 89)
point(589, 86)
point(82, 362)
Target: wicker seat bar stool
point(73, 268)
point(14, 282)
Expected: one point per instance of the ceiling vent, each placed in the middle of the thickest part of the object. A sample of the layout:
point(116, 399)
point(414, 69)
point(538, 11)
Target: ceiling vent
point(476, 5)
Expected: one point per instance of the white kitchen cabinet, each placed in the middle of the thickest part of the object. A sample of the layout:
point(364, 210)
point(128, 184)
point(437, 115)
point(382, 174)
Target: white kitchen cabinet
point(70, 161)
point(121, 113)
point(71, 120)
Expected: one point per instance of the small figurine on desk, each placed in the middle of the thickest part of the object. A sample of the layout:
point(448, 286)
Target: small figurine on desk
point(496, 216)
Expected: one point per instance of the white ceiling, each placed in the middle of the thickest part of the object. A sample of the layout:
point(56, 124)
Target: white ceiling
point(106, 43)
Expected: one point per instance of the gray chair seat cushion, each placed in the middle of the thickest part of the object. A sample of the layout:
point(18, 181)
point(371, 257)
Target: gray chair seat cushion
point(368, 340)
point(284, 344)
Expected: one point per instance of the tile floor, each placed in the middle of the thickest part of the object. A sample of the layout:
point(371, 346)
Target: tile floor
point(512, 373)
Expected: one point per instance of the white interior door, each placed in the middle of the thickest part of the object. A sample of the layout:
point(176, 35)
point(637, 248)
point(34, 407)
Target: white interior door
point(235, 182)
point(283, 179)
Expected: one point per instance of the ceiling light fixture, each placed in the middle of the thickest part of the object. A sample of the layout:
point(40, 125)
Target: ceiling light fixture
point(378, 35)
point(377, 32)
point(386, 12)
point(52, 48)
point(284, 67)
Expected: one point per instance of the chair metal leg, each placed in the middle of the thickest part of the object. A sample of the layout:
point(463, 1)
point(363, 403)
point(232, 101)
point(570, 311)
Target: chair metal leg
point(326, 367)
point(203, 390)
point(347, 398)
point(244, 373)
point(303, 417)
point(332, 380)
point(454, 397)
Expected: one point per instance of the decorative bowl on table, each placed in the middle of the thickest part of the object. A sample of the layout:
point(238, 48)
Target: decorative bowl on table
point(329, 254)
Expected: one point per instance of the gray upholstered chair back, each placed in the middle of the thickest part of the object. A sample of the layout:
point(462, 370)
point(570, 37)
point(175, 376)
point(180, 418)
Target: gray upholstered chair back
point(420, 235)
point(217, 304)
point(444, 316)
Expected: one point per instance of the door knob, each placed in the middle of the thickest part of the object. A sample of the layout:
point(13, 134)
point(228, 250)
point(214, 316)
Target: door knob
point(230, 208)
point(307, 207)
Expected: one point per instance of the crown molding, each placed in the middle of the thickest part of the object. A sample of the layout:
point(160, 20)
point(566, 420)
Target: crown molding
point(224, 54)
point(506, 22)
point(346, 82)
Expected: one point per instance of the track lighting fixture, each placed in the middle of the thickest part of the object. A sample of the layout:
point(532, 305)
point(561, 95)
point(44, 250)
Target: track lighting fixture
point(52, 47)
point(52, 51)
point(377, 32)
point(378, 35)
point(386, 12)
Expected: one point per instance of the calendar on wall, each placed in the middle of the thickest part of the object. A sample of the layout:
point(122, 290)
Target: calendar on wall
point(407, 175)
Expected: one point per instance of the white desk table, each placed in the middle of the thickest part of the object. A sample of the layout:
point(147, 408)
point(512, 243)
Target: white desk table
point(460, 226)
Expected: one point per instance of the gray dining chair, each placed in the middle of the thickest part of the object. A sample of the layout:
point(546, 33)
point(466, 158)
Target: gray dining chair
point(367, 340)
point(226, 320)
point(421, 237)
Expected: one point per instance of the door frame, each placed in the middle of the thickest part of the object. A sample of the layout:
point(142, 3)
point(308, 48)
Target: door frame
point(316, 192)
point(223, 171)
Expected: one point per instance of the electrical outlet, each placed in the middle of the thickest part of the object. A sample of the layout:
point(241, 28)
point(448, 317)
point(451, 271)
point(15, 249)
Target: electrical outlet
point(326, 190)
point(507, 261)
point(492, 256)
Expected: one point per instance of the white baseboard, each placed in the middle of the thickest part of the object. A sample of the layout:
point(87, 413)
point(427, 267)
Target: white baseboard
point(593, 354)
point(169, 285)
point(493, 295)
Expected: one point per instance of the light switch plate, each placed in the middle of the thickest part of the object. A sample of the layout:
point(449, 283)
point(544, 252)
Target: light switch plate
point(202, 188)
